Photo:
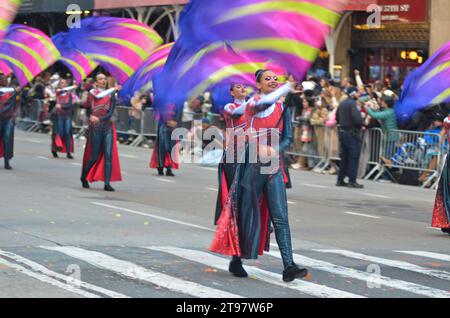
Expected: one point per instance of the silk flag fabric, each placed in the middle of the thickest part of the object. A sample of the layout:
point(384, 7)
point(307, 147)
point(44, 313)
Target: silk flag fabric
point(426, 86)
point(221, 67)
point(141, 81)
point(27, 52)
point(77, 62)
point(291, 33)
point(120, 45)
point(287, 33)
point(8, 11)
point(4, 68)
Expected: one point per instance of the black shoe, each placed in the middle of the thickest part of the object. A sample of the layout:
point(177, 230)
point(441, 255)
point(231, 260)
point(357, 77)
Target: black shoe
point(237, 269)
point(7, 166)
point(160, 171)
point(84, 183)
point(109, 188)
point(169, 173)
point(446, 230)
point(293, 272)
point(355, 185)
point(341, 184)
point(69, 156)
point(55, 154)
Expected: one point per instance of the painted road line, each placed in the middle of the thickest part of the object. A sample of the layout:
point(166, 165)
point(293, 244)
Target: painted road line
point(41, 157)
point(315, 186)
point(153, 216)
point(441, 257)
point(68, 279)
point(211, 189)
point(367, 277)
point(265, 276)
point(128, 156)
point(48, 280)
point(134, 271)
point(363, 215)
point(391, 263)
point(375, 195)
point(291, 202)
point(76, 164)
point(165, 180)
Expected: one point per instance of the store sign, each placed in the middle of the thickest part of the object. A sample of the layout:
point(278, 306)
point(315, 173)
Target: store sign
point(41, 6)
point(110, 4)
point(403, 11)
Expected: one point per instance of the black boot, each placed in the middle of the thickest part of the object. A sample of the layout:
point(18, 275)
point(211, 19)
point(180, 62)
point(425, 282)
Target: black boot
point(84, 183)
point(160, 171)
point(108, 188)
point(169, 173)
point(7, 166)
point(55, 154)
point(69, 156)
point(236, 267)
point(293, 272)
point(446, 230)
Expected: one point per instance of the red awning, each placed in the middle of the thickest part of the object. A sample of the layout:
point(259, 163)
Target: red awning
point(112, 4)
point(359, 5)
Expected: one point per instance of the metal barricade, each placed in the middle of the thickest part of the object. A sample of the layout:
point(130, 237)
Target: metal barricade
point(410, 150)
point(32, 120)
point(372, 149)
point(309, 143)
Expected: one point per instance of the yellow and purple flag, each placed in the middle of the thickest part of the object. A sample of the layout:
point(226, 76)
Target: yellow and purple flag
point(426, 86)
point(77, 62)
point(27, 52)
point(8, 11)
point(141, 81)
point(120, 45)
point(289, 32)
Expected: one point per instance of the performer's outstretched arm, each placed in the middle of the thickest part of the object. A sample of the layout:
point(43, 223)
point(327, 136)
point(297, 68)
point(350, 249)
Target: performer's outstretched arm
point(104, 93)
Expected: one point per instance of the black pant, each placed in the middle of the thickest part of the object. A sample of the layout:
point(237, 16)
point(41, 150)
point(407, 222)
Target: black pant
point(7, 136)
point(350, 149)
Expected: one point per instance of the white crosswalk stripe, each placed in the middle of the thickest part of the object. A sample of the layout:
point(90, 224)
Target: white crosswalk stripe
point(265, 276)
point(188, 286)
point(134, 271)
point(68, 279)
point(392, 263)
point(367, 277)
point(438, 256)
point(48, 280)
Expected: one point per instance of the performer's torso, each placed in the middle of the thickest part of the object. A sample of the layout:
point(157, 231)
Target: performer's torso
point(231, 122)
point(269, 118)
point(100, 107)
point(265, 127)
point(5, 98)
point(64, 100)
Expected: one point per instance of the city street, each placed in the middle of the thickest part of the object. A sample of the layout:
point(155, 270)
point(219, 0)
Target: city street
point(150, 238)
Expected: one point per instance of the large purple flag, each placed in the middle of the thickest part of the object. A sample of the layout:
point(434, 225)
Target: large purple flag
point(289, 32)
point(120, 45)
point(78, 63)
point(27, 52)
point(426, 86)
point(8, 11)
point(220, 67)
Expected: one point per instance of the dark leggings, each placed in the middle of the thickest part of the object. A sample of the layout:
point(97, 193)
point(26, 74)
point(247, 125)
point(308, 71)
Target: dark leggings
point(6, 135)
point(65, 130)
point(272, 185)
point(101, 141)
